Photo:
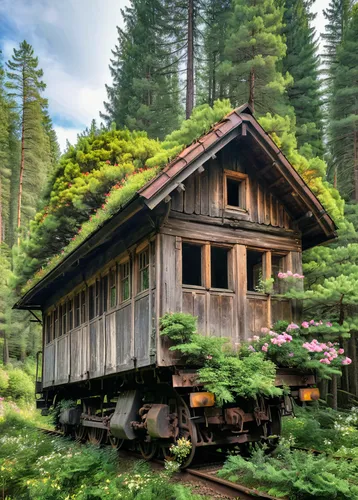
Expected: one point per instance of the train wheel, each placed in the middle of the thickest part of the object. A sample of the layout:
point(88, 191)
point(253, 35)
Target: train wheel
point(186, 430)
point(96, 436)
point(273, 428)
point(148, 449)
point(66, 429)
point(80, 433)
point(115, 442)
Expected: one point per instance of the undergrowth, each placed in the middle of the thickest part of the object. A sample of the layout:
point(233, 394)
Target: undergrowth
point(294, 474)
point(38, 467)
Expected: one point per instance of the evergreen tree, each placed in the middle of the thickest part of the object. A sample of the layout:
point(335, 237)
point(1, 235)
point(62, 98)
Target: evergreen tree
point(254, 48)
point(302, 62)
point(343, 126)
point(145, 92)
point(25, 86)
point(216, 16)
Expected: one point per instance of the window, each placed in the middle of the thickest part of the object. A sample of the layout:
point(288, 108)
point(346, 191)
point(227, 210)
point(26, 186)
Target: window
point(191, 264)
point(77, 311)
point(277, 266)
point(69, 314)
point(235, 189)
point(64, 319)
point(91, 292)
point(98, 311)
point(48, 328)
point(125, 281)
point(83, 306)
point(55, 321)
point(112, 288)
point(254, 270)
point(143, 276)
point(105, 292)
point(219, 267)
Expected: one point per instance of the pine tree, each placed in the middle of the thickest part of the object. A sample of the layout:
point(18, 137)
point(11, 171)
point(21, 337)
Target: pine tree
point(216, 16)
point(253, 49)
point(343, 126)
point(145, 92)
point(302, 62)
point(25, 86)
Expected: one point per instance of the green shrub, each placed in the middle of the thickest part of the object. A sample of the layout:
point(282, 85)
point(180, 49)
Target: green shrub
point(20, 386)
point(4, 381)
point(294, 474)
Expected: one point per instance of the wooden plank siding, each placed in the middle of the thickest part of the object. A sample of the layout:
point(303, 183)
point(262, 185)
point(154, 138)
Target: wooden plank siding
point(204, 195)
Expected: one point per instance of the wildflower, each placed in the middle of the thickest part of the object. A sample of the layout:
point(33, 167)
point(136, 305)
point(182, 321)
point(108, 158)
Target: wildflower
point(325, 361)
point(312, 322)
point(265, 347)
point(209, 357)
point(340, 351)
point(328, 324)
point(305, 324)
point(292, 326)
point(291, 354)
point(346, 361)
point(289, 273)
point(255, 338)
point(251, 348)
point(264, 330)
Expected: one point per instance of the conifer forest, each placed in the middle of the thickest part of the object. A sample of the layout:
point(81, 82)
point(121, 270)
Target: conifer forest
point(179, 67)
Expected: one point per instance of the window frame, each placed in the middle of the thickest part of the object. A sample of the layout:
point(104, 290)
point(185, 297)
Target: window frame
point(112, 272)
point(142, 269)
point(243, 179)
point(203, 256)
point(125, 264)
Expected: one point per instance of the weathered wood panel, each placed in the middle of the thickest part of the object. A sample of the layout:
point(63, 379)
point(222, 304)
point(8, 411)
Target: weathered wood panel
point(142, 330)
point(257, 311)
point(221, 315)
point(281, 310)
point(194, 302)
point(204, 194)
point(49, 365)
point(123, 338)
point(78, 354)
point(62, 360)
point(97, 348)
point(111, 343)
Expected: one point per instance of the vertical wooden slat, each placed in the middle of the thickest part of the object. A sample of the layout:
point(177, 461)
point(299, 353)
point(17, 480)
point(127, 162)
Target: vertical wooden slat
point(241, 290)
point(177, 201)
point(189, 196)
point(214, 189)
point(204, 193)
point(197, 204)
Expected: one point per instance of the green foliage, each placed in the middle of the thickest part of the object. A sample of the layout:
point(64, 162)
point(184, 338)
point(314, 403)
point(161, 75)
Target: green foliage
point(302, 62)
point(294, 474)
point(39, 467)
point(254, 48)
point(4, 381)
point(223, 371)
point(20, 386)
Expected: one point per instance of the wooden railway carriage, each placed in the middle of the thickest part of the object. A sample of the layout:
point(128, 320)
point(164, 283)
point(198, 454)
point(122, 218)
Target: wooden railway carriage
point(224, 215)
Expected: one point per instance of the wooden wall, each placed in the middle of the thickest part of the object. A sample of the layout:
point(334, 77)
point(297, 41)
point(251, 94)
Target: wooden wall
point(204, 193)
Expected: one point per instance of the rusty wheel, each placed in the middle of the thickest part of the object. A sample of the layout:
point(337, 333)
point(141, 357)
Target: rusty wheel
point(96, 436)
point(186, 430)
point(115, 442)
point(80, 433)
point(66, 429)
point(148, 449)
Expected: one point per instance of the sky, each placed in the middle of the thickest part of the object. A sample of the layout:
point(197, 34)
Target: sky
point(73, 40)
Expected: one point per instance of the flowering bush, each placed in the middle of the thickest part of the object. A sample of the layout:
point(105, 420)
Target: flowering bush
point(295, 347)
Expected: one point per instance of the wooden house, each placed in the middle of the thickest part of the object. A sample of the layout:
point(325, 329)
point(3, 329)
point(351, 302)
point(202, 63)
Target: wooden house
point(202, 237)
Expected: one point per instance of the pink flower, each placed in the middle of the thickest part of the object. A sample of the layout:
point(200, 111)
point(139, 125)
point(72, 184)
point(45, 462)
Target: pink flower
point(312, 322)
point(289, 273)
point(292, 326)
point(328, 323)
point(298, 276)
point(282, 275)
point(265, 347)
point(108, 162)
point(291, 354)
point(209, 357)
point(340, 351)
point(325, 361)
point(255, 338)
point(346, 361)
point(305, 324)
point(251, 348)
point(264, 330)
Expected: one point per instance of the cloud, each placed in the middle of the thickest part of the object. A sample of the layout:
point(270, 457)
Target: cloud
point(66, 134)
point(73, 40)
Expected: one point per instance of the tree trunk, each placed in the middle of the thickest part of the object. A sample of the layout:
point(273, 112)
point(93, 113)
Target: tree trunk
point(190, 61)
point(22, 168)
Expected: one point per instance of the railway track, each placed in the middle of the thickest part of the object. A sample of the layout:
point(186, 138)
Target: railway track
point(205, 474)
